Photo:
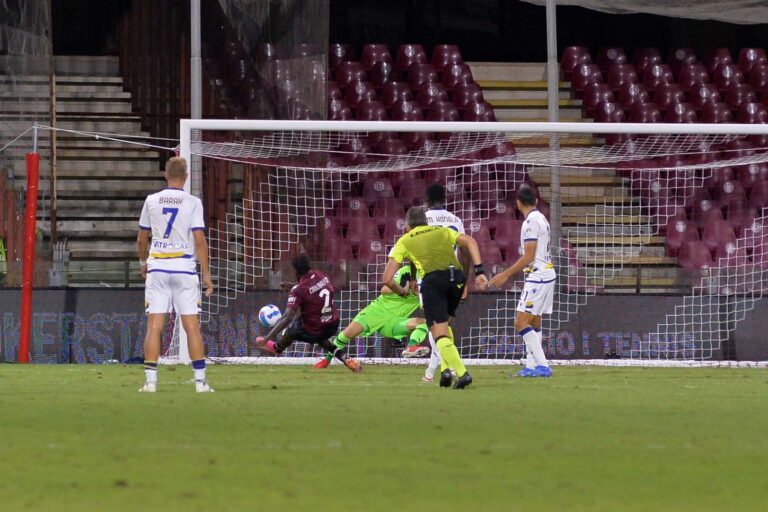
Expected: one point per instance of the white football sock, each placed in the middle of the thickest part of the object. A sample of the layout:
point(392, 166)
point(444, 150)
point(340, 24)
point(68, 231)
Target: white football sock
point(538, 351)
point(531, 342)
point(200, 375)
point(151, 375)
point(434, 358)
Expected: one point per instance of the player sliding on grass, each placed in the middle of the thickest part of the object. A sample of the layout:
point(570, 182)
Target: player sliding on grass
point(539, 288)
point(175, 220)
point(431, 250)
point(390, 316)
point(311, 314)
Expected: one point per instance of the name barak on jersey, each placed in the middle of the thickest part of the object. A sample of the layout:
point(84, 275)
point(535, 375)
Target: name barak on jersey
point(171, 200)
point(320, 285)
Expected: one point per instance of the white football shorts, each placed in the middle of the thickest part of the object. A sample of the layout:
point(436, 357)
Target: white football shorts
point(164, 292)
point(536, 298)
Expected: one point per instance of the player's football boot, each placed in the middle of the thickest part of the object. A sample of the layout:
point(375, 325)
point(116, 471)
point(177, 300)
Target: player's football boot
point(464, 381)
point(542, 371)
point(323, 363)
point(415, 351)
point(203, 387)
point(148, 387)
point(354, 365)
point(527, 372)
point(446, 378)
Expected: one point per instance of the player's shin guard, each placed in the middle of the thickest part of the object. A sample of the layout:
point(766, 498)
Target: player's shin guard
point(418, 335)
point(198, 366)
point(450, 355)
point(340, 342)
point(150, 370)
point(532, 347)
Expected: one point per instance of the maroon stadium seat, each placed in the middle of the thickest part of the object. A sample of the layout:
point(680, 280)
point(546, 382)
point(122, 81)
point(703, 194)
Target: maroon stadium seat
point(749, 57)
point(731, 255)
point(443, 111)
point(716, 57)
point(457, 75)
point(725, 75)
point(760, 251)
point(752, 113)
point(412, 191)
point(407, 111)
point(372, 251)
point(731, 191)
point(336, 248)
point(681, 113)
point(375, 189)
point(352, 206)
point(703, 94)
point(750, 175)
point(394, 92)
point(371, 110)
point(695, 255)
point(583, 75)
point(630, 94)
point(339, 110)
point(393, 228)
point(360, 230)
point(758, 77)
point(349, 72)
point(645, 113)
point(387, 207)
point(507, 236)
point(738, 94)
point(716, 113)
point(680, 56)
point(479, 231)
point(717, 177)
point(393, 146)
point(738, 149)
point(465, 94)
point(381, 74)
point(643, 58)
point(360, 91)
point(487, 193)
point(420, 74)
point(656, 75)
point(705, 211)
point(679, 231)
point(758, 197)
point(334, 93)
point(608, 57)
point(593, 95)
point(338, 53)
point(431, 92)
point(740, 217)
point(480, 111)
point(691, 75)
point(573, 57)
point(619, 74)
point(373, 54)
point(609, 113)
point(717, 235)
point(443, 55)
point(668, 95)
point(408, 54)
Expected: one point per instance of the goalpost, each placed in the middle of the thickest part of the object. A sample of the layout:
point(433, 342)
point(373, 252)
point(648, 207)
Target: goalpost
point(338, 191)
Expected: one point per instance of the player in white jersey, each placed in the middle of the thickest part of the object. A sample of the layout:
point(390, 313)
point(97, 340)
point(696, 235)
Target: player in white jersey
point(174, 219)
point(539, 289)
point(437, 215)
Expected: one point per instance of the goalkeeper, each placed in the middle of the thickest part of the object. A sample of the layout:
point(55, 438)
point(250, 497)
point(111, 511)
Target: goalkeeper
point(389, 315)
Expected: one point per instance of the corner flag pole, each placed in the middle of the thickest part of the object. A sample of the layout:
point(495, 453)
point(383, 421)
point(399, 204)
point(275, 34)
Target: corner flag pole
point(28, 272)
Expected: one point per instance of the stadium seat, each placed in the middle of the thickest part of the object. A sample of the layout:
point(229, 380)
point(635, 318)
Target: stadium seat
point(352, 206)
point(702, 94)
point(752, 113)
point(393, 92)
point(750, 175)
point(608, 57)
point(691, 75)
point(609, 113)
point(681, 113)
point(335, 247)
point(645, 183)
point(583, 75)
point(656, 75)
point(679, 57)
point(695, 255)
point(664, 208)
point(668, 95)
point(479, 231)
point(749, 57)
point(716, 113)
point(491, 254)
point(338, 53)
point(760, 250)
point(407, 111)
point(630, 94)
point(339, 110)
point(619, 74)
point(334, 92)
point(350, 72)
point(679, 231)
point(573, 57)
point(421, 142)
point(420, 74)
point(373, 54)
point(593, 95)
point(429, 93)
point(372, 251)
point(387, 207)
point(408, 54)
point(716, 57)
point(443, 111)
point(717, 177)
point(717, 235)
point(381, 74)
point(643, 58)
point(729, 192)
point(725, 75)
point(645, 113)
point(394, 228)
point(360, 91)
point(507, 236)
point(480, 111)
point(738, 148)
point(393, 146)
point(360, 230)
point(375, 189)
point(412, 192)
point(486, 193)
point(371, 110)
point(740, 217)
point(465, 94)
point(758, 77)
point(738, 94)
point(443, 55)
point(456, 75)
point(758, 197)
point(705, 211)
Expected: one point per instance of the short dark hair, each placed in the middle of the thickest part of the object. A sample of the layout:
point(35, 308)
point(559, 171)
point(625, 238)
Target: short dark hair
point(415, 217)
point(435, 194)
point(526, 196)
point(301, 264)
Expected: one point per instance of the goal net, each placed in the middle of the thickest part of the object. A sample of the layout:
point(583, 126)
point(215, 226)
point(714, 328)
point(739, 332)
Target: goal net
point(673, 210)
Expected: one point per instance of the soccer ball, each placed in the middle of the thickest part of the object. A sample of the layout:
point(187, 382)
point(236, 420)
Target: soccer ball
point(269, 315)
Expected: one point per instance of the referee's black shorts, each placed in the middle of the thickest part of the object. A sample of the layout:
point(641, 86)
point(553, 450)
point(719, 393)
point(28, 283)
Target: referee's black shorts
point(441, 295)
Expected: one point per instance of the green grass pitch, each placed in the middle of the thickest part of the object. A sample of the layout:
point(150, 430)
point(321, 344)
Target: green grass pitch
point(75, 438)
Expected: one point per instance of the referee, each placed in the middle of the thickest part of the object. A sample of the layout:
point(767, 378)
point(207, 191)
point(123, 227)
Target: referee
point(431, 250)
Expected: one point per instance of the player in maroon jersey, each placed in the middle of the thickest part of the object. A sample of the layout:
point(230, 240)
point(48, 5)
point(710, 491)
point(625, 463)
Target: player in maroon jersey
point(310, 315)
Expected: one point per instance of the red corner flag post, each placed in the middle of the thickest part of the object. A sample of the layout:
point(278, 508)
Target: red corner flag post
point(33, 177)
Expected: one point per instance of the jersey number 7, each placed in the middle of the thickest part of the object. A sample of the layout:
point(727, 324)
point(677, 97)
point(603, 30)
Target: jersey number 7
point(173, 212)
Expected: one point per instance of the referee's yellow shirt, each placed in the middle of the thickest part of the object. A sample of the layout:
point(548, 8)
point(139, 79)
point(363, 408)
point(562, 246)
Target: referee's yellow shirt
point(429, 248)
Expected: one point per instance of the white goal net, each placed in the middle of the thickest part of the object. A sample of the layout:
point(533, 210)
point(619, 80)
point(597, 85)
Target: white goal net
point(670, 210)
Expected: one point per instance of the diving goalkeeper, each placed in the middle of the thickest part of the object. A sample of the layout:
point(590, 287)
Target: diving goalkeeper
point(389, 315)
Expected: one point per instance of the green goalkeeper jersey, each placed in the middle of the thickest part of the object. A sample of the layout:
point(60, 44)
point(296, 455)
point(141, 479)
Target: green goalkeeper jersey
point(397, 305)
